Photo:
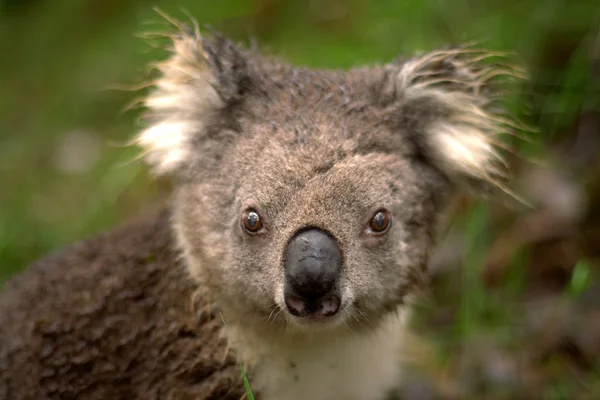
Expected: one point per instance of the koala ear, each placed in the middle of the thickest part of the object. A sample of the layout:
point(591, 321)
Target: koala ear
point(201, 77)
point(449, 108)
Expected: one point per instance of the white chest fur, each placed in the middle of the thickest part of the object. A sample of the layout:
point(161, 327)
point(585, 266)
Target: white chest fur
point(348, 366)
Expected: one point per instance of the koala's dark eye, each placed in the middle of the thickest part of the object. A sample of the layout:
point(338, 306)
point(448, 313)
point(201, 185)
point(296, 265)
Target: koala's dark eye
point(251, 221)
point(381, 221)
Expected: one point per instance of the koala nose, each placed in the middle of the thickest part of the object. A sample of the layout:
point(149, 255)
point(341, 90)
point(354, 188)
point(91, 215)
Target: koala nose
point(312, 273)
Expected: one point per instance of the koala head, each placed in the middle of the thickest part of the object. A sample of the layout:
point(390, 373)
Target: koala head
point(311, 199)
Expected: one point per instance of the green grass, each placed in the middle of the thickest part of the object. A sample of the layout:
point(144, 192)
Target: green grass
point(580, 279)
point(247, 387)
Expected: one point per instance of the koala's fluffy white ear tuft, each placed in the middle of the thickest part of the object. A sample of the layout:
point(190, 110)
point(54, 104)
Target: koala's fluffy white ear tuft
point(199, 78)
point(451, 109)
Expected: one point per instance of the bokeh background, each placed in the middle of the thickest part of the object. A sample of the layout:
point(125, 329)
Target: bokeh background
point(514, 306)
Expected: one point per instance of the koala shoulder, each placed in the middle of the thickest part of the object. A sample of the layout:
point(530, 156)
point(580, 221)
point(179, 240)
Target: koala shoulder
point(111, 317)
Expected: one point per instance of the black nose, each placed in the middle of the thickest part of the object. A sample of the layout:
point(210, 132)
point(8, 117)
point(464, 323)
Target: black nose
point(312, 273)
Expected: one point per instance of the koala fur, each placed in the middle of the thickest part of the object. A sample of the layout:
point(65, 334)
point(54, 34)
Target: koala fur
point(141, 313)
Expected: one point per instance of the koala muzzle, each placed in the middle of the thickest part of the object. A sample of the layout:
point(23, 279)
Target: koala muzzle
point(312, 273)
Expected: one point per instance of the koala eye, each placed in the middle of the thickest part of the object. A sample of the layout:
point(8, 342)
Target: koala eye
point(251, 221)
point(381, 221)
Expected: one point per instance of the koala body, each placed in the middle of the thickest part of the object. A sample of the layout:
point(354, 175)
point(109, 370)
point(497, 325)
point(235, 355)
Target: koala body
point(306, 205)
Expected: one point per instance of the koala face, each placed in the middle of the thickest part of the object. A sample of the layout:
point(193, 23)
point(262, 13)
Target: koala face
point(300, 243)
point(311, 199)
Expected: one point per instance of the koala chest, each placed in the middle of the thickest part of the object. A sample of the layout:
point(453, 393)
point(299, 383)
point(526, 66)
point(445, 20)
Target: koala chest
point(350, 367)
point(367, 372)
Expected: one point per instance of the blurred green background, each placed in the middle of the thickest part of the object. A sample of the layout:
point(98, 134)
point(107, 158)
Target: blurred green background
point(65, 175)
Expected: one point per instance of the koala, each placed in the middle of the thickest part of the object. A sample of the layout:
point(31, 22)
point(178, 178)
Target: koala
point(306, 203)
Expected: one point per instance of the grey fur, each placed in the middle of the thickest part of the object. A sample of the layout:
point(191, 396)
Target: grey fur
point(305, 148)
